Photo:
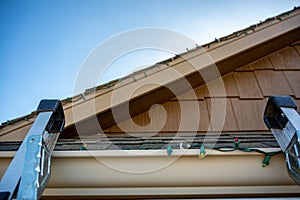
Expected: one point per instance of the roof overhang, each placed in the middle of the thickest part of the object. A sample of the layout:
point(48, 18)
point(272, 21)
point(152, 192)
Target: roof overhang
point(191, 66)
point(226, 56)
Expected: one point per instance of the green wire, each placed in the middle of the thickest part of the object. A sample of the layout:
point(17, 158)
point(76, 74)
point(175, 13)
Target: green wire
point(266, 160)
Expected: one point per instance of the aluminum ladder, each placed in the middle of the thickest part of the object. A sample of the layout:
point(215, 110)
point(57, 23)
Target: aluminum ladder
point(282, 118)
point(29, 171)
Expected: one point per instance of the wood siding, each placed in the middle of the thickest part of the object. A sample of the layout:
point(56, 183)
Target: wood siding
point(247, 90)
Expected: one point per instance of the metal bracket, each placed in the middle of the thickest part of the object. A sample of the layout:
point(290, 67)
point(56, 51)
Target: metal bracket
point(273, 115)
point(57, 121)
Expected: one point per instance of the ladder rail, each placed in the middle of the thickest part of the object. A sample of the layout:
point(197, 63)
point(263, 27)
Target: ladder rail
point(29, 172)
point(283, 120)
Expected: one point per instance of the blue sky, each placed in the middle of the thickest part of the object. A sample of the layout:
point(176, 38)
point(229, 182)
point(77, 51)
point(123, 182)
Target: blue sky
point(44, 43)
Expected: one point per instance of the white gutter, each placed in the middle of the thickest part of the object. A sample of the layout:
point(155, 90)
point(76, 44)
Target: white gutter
point(154, 173)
